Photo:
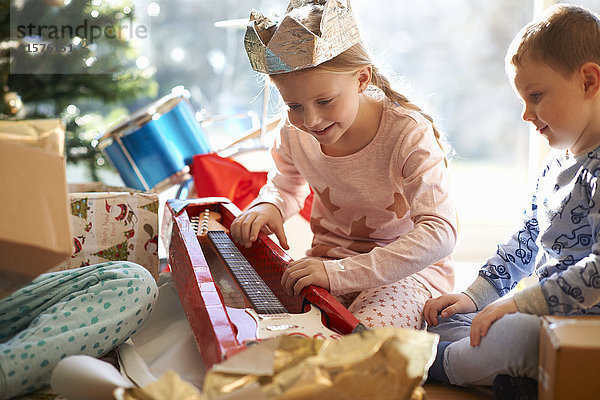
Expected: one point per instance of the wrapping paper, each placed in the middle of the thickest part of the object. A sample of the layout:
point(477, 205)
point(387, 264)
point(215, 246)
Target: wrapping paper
point(223, 177)
point(169, 387)
point(114, 226)
point(386, 363)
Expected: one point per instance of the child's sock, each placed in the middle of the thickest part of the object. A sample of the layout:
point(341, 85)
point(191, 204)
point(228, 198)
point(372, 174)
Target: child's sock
point(508, 387)
point(436, 371)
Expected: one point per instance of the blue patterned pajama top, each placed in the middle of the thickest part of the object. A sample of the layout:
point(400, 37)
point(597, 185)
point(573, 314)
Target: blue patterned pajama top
point(558, 240)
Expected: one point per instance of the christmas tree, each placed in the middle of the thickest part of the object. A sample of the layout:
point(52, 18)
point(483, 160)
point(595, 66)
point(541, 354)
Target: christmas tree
point(70, 59)
point(117, 252)
point(80, 208)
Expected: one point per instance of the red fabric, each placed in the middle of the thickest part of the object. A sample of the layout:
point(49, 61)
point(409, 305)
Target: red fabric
point(218, 176)
point(305, 212)
point(223, 177)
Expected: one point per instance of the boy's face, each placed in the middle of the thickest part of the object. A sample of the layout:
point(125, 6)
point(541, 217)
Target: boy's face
point(556, 105)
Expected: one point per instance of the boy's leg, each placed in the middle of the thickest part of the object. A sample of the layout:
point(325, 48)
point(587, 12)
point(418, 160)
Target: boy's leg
point(89, 310)
point(450, 330)
point(510, 347)
point(454, 328)
point(399, 304)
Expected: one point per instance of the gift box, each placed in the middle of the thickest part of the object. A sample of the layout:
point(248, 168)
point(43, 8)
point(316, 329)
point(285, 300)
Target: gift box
point(45, 134)
point(569, 357)
point(112, 224)
point(34, 219)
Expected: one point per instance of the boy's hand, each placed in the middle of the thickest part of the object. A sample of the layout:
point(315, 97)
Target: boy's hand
point(245, 228)
point(447, 305)
point(490, 314)
point(304, 272)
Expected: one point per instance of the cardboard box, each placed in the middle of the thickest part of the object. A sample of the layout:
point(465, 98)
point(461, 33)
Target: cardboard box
point(45, 134)
point(569, 358)
point(112, 224)
point(35, 227)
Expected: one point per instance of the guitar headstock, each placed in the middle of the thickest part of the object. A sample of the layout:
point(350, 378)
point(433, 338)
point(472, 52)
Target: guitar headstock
point(210, 222)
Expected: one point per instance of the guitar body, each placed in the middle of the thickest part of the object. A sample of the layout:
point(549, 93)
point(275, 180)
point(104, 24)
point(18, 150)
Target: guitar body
point(253, 326)
point(233, 296)
point(269, 316)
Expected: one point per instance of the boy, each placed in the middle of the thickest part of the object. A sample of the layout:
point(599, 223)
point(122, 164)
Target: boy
point(554, 67)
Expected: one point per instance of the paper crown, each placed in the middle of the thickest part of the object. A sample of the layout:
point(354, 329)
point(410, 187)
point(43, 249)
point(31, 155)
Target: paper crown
point(276, 48)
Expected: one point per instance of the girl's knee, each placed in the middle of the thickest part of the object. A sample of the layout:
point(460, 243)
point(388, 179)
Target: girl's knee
point(134, 291)
point(139, 272)
point(141, 278)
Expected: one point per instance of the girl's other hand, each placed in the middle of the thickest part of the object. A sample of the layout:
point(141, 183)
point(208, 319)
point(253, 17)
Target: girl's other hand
point(264, 216)
point(304, 272)
point(446, 306)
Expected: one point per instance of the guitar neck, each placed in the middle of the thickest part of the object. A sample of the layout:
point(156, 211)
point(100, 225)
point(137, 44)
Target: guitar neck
point(256, 290)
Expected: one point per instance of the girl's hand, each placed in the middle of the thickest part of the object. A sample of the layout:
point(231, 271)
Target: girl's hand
point(304, 272)
point(447, 305)
point(490, 314)
point(245, 228)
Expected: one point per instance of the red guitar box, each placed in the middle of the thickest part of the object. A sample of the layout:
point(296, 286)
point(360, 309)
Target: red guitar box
point(203, 283)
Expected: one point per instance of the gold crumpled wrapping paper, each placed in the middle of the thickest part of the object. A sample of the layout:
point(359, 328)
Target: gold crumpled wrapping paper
point(385, 363)
point(170, 386)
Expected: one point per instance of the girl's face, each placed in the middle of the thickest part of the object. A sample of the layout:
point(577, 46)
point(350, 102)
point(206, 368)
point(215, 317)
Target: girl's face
point(321, 103)
point(557, 106)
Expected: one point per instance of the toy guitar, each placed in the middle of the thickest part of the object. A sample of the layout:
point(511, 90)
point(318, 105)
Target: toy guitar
point(267, 317)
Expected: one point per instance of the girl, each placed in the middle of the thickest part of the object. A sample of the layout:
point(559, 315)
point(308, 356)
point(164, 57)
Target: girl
point(382, 218)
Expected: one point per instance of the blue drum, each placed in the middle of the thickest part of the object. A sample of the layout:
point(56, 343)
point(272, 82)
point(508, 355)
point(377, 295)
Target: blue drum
point(153, 148)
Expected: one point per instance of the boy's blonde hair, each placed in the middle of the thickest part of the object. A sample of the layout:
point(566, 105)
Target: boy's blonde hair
point(355, 58)
point(566, 37)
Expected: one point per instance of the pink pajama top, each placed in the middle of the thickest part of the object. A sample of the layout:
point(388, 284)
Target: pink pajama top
point(379, 215)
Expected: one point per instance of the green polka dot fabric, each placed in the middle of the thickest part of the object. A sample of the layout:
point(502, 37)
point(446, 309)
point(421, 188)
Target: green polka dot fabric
point(88, 311)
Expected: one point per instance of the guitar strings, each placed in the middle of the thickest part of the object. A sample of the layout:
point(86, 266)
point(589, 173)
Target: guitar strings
point(263, 299)
point(257, 290)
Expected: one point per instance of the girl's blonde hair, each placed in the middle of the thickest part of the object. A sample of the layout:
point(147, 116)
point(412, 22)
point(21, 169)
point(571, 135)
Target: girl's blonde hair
point(355, 58)
point(566, 37)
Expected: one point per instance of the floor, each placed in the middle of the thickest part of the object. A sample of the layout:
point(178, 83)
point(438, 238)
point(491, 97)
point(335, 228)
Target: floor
point(444, 392)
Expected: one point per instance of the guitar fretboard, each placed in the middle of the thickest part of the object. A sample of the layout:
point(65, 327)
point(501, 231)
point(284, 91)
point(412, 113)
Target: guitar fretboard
point(258, 293)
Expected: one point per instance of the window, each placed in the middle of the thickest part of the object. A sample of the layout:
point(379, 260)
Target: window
point(446, 56)
point(452, 55)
